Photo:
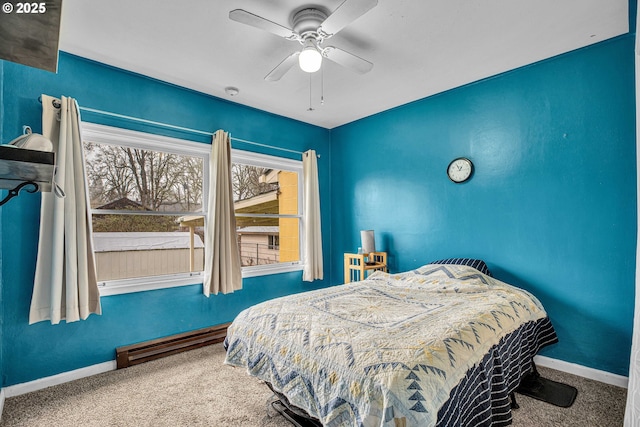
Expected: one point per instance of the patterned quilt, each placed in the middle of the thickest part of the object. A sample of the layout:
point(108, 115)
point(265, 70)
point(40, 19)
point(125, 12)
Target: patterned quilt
point(386, 351)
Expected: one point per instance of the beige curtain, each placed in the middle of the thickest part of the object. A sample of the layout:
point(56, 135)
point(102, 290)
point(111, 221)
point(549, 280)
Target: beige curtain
point(222, 270)
point(65, 286)
point(312, 254)
point(632, 413)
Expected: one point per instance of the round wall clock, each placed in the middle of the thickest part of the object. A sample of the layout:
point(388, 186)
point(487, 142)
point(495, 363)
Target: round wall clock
point(460, 170)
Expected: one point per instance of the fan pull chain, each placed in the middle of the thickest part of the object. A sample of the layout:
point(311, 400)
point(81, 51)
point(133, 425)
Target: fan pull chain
point(322, 86)
point(310, 107)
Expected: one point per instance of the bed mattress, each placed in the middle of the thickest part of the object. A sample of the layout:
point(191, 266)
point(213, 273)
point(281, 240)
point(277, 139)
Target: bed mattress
point(440, 345)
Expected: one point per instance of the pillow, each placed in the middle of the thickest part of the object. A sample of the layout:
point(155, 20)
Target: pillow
point(478, 264)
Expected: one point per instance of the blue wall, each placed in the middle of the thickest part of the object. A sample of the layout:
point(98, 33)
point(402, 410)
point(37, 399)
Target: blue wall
point(552, 203)
point(40, 350)
point(551, 206)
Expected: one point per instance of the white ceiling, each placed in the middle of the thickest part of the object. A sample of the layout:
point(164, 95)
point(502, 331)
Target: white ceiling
point(418, 47)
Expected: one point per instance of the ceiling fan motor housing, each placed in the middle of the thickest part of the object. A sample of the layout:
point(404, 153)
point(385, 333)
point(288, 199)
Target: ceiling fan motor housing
point(307, 21)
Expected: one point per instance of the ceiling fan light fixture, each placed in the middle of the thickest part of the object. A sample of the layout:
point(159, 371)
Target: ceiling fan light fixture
point(310, 59)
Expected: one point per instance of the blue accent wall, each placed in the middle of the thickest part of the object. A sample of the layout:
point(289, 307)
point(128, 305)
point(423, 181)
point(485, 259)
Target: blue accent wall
point(551, 206)
point(40, 350)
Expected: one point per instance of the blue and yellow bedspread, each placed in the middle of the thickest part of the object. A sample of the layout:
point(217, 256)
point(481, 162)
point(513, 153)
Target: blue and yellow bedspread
point(385, 351)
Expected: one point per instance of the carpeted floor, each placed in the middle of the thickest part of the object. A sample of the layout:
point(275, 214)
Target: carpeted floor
point(196, 389)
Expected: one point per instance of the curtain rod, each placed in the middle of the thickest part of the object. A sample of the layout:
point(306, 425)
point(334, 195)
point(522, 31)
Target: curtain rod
point(174, 127)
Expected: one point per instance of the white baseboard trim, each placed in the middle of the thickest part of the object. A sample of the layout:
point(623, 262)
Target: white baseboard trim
point(582, 371)
point(64, 377)
point(1, 402)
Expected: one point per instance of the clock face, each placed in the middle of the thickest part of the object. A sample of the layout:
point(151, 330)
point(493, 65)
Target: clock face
point(460, 170)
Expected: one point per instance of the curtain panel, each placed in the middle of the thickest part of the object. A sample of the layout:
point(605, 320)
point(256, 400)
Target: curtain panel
point(222, 269)
point(65, 285)
point(312, 254)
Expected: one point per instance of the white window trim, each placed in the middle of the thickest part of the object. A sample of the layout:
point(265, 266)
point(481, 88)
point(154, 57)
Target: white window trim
point(148, 283)
point(129, 138)
point(148, 141)
point(124, 137)
point(263, 270)
point(273, 162)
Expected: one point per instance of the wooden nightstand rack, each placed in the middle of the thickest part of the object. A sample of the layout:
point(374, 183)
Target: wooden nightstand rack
point(355, 267)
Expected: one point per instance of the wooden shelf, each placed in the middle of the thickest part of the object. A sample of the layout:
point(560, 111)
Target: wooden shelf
point(356, 267)
point(19, 165)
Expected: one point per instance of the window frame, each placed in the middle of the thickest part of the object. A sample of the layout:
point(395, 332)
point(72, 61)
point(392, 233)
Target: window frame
point(111, 135)
point(281, 163)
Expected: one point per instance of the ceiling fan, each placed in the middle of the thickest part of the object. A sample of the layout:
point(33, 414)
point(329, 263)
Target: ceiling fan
point(311, 27)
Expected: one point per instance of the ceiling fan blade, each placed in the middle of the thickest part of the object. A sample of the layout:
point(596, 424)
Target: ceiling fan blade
point(345, 14)
point(282, 68)
point(347, 60)
point(256, 21)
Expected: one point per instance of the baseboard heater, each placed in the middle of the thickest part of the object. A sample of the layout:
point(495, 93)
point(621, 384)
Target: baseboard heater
point(135, 354)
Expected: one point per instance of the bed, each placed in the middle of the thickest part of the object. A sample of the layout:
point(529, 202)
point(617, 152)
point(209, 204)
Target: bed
point(443, 345)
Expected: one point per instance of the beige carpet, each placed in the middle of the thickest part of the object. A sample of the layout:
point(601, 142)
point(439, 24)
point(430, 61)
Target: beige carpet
point(196, 389)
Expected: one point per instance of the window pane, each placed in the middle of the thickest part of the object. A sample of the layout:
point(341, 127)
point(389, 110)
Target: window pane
point(258, 190)
point(123, 178)
point(268, 240)
point(129, 246)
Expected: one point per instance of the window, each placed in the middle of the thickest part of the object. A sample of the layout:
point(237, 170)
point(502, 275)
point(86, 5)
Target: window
point(147, 195)
point(274, 241)
point(267, 194)
point(148, 203)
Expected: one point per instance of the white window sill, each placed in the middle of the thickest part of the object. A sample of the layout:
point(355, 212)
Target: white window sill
point(263, 270)
point(127, 286)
